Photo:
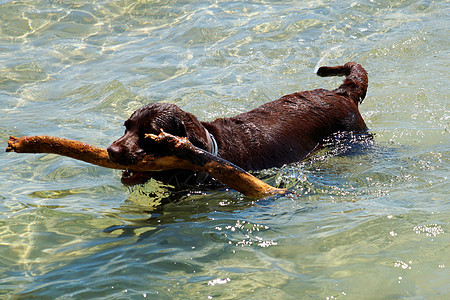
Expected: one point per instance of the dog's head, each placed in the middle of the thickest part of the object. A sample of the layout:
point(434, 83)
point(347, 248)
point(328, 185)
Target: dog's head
point(133, 145)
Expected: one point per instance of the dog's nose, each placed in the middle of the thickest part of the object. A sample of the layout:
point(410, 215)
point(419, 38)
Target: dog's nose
point(114, 152)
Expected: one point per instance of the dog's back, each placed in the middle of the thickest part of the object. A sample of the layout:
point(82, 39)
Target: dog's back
point(288, 129)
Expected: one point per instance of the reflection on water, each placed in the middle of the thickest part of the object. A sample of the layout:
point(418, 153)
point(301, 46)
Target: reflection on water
point(369, 212)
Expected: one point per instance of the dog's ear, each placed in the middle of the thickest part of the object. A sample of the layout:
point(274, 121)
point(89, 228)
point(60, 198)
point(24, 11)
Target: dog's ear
point(156, 116)
point(195, 132)
point(175, 125)
point(174, 120)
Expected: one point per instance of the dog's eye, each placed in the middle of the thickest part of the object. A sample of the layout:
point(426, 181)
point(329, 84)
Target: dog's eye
point(148, 128)
point(128, 124)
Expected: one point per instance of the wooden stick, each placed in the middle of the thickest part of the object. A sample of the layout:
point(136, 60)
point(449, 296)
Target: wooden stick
point(183, 155)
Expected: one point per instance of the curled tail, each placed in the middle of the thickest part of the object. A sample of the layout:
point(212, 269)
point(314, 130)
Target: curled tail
point(356, 81)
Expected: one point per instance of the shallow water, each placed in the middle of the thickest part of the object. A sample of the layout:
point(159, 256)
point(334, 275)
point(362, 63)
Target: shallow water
point(368, 223)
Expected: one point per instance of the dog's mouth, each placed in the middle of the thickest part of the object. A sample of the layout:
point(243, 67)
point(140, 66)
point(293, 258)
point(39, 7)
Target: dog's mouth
point(133, 177)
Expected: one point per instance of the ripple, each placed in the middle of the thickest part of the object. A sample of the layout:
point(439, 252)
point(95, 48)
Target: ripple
point(365, 215)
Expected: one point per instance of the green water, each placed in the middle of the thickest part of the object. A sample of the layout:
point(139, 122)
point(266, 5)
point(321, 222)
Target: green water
point(371, 224)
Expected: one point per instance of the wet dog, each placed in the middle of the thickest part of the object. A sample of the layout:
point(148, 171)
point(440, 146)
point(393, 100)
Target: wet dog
point(276, 133)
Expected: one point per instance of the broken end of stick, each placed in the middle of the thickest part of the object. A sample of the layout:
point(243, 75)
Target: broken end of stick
point(268, 192)
point(12, 144)
point(152, 136)
point(174, 141)
point(276, 191)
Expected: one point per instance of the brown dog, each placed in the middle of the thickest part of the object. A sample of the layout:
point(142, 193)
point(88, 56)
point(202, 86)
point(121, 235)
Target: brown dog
point(276, 133)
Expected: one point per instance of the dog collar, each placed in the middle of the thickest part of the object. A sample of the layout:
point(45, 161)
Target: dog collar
point(212, 142)
point(215, 149)
point(202, 177)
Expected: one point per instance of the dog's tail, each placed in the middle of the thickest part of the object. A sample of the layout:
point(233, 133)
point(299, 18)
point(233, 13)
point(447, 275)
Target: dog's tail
point(355, 83)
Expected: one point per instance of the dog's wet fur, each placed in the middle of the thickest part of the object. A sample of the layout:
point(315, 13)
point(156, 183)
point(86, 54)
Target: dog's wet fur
point(276, 133)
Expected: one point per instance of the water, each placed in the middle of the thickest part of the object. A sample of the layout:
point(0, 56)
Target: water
point(369, 223)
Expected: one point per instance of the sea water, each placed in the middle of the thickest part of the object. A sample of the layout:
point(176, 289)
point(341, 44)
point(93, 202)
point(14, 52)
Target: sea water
point(369, 222)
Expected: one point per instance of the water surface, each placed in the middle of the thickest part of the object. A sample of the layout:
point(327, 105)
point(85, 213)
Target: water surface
point(368, 223)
